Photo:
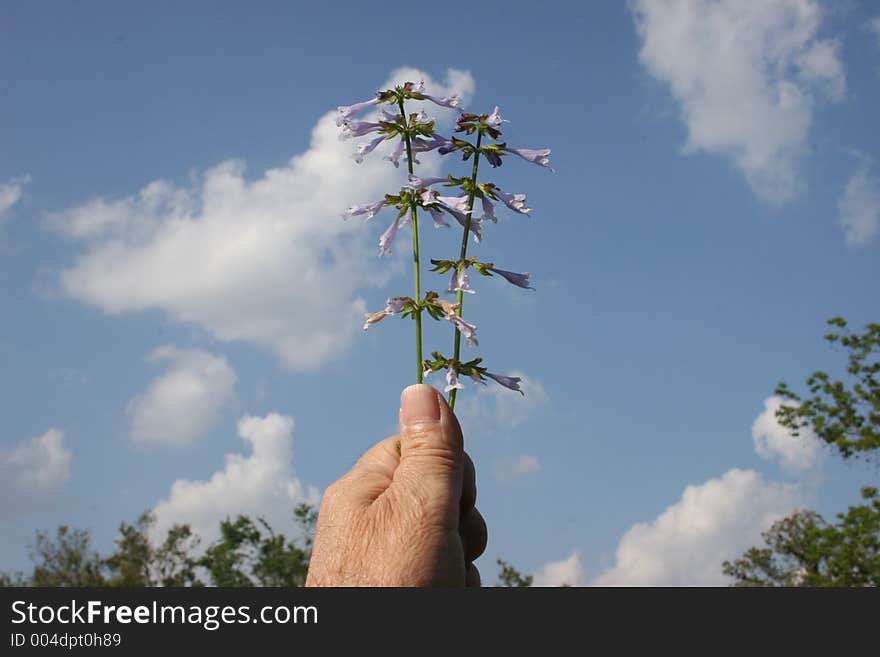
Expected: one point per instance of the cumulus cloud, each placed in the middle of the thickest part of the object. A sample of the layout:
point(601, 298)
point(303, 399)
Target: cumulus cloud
point(259, 484)
point(10, 193)
point(509, 468)
point(567, 572)
point(858, 210)
point(33, 472)
point(268, 261)
point(184, 402)
point(774, 442)
point(746, 76)
point(712, 522)
point(492, 407)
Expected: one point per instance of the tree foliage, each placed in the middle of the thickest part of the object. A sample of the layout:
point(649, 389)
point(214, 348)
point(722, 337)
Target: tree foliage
point(803, 549)
point(843, 415)
point(509, 576)
point(248, 553)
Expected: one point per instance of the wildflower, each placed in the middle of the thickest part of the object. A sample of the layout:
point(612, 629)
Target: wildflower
point(493, 158)
point(516, 202)
point(437, 216)
point(365, 149)
point(370, 209)
point(388, 117)
point(469, 331)
point(443, 101)
point(422, 145)
point(511, 382)
point(520, 280)
point(494, 120)
point(423, 183)
point(345, 111)
point(387, 237)
point(392, 307)
point(452, 382)
point(447, 307)
point(488, 210)
point(458, 203)
point(459, 281)
point(394, 157)
point(358, 129)
point(474, 226)
point(538, 157)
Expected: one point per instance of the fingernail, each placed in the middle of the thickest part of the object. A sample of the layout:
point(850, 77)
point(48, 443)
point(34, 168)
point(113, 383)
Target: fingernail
point(419, 403)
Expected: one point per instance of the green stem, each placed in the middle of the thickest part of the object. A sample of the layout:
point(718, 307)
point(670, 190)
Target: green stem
point(415, 238)
point(464, 245)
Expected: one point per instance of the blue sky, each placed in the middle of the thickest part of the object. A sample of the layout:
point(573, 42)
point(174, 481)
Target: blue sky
point(182, 302)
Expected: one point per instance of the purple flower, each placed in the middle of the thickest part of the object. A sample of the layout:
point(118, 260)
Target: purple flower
point(474, 225)
point(538, 157)
point(421, 145)
point(366, 149)
point(394, 157)
point(387, 117)
point(488, 211)
point(395, 305)
point(494, 119)
point(476, 378)
point(493, 158)
point(387, 237)
point(437, 216)
point(516, 202)
point(520, 280)
point(452, 382)
point(469, 331)
point(392, 307)
point(345, 111)
point(457, 203)
point(459, 282)
point(443, 101)
point(358, 129)
point(370, 209)
point(374, 318)
point(419, 183)
point(511, 382)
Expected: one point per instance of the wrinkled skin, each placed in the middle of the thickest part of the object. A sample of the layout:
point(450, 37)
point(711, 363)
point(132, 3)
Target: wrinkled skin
point(404, 515)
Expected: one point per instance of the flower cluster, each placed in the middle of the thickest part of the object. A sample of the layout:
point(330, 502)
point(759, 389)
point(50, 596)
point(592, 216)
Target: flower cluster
point(458, 198)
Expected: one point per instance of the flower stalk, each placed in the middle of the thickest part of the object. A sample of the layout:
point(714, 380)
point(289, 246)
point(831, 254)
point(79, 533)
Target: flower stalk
point(417, 286)
point(456, 349)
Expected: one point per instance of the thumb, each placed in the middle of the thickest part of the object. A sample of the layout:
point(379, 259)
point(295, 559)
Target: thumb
point(431, 449)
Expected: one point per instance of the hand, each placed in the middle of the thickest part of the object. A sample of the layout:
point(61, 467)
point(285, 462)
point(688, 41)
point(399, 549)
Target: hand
point(404, 515)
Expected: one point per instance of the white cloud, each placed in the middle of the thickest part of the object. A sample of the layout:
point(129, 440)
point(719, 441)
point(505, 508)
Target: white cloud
point(858, 210)
point(11, 191)
point(33, 472)
point(260, 484)
point(773, 441)
point(184, 402)
point(712, 522)
point(513, 467)
point(268, 261)
point(746, 76)
point(568, 571)
point(493, 407)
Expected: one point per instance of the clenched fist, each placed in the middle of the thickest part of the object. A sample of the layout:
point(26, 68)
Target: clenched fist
point(404, 515)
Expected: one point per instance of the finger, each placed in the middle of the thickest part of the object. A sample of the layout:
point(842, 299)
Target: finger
point(431, 451)
point(469, 485)
point(474, 534)
point(472, 576)
point(373, 472)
